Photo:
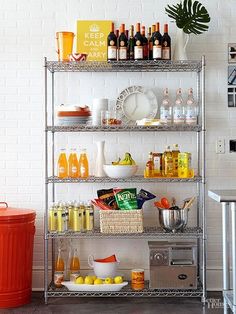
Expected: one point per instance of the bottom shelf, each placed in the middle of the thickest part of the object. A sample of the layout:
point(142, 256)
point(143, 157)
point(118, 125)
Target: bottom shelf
point(127, 292)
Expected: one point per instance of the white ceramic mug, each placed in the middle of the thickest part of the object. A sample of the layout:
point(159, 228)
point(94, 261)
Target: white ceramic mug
point(103, 270)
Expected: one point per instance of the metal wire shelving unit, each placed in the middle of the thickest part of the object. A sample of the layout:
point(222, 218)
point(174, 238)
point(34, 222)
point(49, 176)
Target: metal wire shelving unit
point(198, 233)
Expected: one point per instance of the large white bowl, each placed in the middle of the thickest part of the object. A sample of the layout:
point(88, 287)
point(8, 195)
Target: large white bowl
point(120, 171)
point(103, 287)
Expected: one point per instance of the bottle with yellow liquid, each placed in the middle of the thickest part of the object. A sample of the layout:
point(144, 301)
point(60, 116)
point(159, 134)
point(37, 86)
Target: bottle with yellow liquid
point(73, 164)
point(168, 163)
point(175, 155)
point(62, 165)
point(83, 164)
point(149, 169)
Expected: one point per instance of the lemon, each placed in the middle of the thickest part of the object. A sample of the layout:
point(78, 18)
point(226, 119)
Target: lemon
point(79, 280)
point(94, 277)
point(118, 279)
point(98, 281)
point(88, 280)
point(108, 281)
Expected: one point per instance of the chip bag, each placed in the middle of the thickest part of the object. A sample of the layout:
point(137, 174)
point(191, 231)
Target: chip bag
point(126, 198)
point(144, 196)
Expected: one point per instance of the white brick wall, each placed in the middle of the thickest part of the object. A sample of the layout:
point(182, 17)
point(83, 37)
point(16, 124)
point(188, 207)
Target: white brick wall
point(27, 31)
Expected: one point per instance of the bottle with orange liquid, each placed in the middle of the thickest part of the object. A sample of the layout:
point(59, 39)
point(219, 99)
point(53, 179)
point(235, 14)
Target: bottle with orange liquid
point(62, 165)
point(73, 164)
point(149, 170)
point(83, 164)
point(59, 270)
point(74, 266)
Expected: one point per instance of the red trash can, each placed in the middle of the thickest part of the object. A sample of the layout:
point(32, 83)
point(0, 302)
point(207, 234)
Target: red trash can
point(17, 229)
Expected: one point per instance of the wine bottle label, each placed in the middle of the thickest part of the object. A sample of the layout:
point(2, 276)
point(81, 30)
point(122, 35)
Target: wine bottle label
point(123, 53)
point(165, 116)
point(166, 53)
point(138, 52)
point(157, 52)
point(111, 52)
point(178, 116)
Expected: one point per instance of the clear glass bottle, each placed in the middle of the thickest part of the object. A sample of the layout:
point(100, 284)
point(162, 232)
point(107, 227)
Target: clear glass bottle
point(74, 265)
point(178, 109)
point(59, 269)
point(175, 156)
point(73, 164)
point(149, 170)
point(83, 164)
point(62, 164)
point(191, 109)
point(166, 109)
point(168, 163)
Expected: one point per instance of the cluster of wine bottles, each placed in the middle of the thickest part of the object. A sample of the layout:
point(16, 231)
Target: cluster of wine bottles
point(124, 45)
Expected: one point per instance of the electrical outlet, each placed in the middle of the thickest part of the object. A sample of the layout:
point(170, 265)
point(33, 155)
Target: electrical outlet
point(220, 146)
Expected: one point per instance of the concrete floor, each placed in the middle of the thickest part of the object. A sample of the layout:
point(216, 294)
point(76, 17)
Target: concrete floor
point(117, 306)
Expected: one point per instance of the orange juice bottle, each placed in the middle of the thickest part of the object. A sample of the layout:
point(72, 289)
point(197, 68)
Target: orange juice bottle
point(83, 164)
point(59, 270)
point(62, 165)
point(73, 164)
point(74, 266)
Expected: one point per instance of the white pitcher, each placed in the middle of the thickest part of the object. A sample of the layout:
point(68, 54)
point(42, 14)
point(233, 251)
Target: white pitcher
point(100, 159)
point(103, 269)
point(180, 45)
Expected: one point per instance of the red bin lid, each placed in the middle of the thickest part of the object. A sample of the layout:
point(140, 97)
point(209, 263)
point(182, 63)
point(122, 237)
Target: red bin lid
point(10, 214)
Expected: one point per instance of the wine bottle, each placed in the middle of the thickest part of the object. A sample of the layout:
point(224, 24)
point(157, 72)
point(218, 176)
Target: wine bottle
point(131, 43)
point(157, 40)
point(112, 45)
point(123, 43)
point(166, 44)
point(138, 44)
point(149, 43)
point(145, 44)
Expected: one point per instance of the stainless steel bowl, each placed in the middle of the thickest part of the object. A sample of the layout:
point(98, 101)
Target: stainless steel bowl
point(173, 220)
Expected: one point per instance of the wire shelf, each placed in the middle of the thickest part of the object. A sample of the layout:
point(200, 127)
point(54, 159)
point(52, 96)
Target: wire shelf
point(125, 66)
point(127, 292)
point(134, 179)
point(149, 232)
point(124, 128)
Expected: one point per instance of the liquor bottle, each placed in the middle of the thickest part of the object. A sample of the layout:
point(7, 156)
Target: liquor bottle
point(62, 165)
point(149, 170)
point(131, 43)
point(191, 109)
point(123, 43)
point(166, 44)
point(150, 43)
point(175, 156)
point(157, 40)
point(73, 164)
point(138, 44)
point(166, 109)
point(168, 163)
point(83, 164)
point(117, 43)
point(74, 265)
point(178, 109)
point(145, 44)
point(112, 45)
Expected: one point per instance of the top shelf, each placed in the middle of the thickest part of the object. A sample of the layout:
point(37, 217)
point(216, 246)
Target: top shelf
point(125, 66)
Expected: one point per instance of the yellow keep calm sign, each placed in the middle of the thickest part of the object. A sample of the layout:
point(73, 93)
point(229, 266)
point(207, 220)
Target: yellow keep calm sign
point(92, 39)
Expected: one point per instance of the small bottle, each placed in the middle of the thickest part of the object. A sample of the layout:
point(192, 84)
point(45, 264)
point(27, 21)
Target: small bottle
point(76, 222)
point(145, 44)
point(89, 217)
point(73, 164)
point(149, 170)
point(166, 109)
point(112, 45)
point(74, 266)
point(166, 44)
point(157, 40)
point(175, 156)
point(138, 44)
point(70, 210)
point(83, 164)
point(168, 163)
point(131, 43)
point(62, 165)
point(178, 109)
point(82, 216)
point(150, 44)
point(59, 270)
point(61, 217)
point(191, 109)
point(52, 221)
point(123, 43)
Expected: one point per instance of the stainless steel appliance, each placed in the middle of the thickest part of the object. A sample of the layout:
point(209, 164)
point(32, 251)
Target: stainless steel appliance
point(173, 265)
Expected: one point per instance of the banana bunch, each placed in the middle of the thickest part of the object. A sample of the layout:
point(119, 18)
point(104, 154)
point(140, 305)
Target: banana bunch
point(128, 160)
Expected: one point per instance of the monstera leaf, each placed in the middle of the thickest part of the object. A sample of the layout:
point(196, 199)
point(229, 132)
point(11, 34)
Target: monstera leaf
point(192, 17)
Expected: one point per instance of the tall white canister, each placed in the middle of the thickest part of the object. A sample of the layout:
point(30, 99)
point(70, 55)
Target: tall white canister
point(99, 105)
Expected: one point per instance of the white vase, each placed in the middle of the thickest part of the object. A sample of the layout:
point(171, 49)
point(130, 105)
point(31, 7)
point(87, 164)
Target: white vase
point(100, 159)
point(180, 45)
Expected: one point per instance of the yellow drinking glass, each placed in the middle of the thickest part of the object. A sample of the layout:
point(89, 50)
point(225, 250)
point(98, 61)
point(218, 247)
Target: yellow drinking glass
point(64, 45)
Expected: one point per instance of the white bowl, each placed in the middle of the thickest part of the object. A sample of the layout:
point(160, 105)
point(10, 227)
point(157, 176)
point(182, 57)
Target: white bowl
point(120, 171)
point(103, 287)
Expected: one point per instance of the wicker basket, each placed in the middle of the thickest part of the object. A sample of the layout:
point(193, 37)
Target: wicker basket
point(121, 221)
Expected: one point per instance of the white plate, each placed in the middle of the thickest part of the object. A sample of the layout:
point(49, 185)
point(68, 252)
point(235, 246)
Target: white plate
point(136, 103)
point(103, 287)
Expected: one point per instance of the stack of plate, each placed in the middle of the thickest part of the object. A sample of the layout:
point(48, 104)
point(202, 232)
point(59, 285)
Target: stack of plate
point(75, 117)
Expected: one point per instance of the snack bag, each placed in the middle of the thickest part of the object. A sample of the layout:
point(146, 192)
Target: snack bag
point(144, 196)
point(126, 198)
point(107, 196)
